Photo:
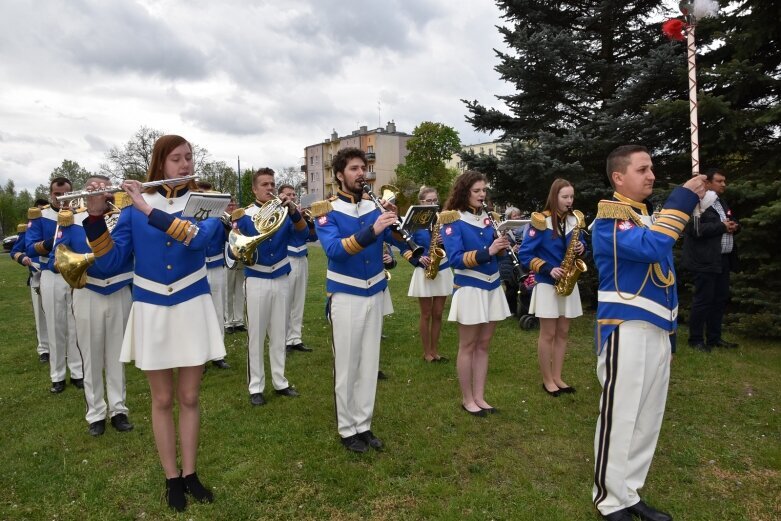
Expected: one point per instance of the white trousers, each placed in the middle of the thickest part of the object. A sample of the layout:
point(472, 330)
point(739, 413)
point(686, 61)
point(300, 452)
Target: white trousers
point(218, 287)
point(266, 314)
point(60, 326)
point(298, 277)
point(40, 319)
point(234, 307)
point(634, 370)
point(100, 326)
point(357, 325)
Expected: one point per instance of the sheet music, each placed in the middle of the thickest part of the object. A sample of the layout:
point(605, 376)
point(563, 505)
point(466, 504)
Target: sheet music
point(419, 216)
point(513, 224)
point(201, 206)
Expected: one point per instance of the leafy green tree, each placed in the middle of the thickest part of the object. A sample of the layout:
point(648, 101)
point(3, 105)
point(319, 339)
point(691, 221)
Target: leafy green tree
point(73, 171)
point(221, 176)
point(429, 147)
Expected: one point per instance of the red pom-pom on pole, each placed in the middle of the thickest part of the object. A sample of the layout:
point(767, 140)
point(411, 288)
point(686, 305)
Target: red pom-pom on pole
point(673, 29)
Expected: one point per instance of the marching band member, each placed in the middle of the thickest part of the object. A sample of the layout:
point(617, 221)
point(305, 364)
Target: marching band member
point(101, 309)
point(352, 231)
point(34, 281)
point(542, 251)
point(478, 302)
point(636, 314)
point(215, 272)
point(297, 252)
point(267, 289)
point(431, 293)
point(40, 241)
point(234, 305)
point(172, 321)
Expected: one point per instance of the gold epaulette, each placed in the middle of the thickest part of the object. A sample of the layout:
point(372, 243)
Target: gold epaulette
point(33, 213)
point(538, 221)
point(448, 217)
point(237, 214)
point(607, 209)
point(496, 216)
point(21, 228)
point(321, 208)
point(122, 200)
point(65, 218)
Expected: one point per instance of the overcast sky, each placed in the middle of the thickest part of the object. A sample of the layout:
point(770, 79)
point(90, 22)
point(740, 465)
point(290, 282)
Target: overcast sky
point(256, 79)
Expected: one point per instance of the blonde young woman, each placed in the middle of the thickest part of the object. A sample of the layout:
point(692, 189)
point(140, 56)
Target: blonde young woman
point(431, 293)
point(543, 251)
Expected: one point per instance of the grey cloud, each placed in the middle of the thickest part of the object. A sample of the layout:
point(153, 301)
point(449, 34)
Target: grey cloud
point(96, 144)
point(231, 117)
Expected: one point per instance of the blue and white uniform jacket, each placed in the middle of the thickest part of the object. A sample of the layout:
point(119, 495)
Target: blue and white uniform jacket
point(422, 237)
point(167, 271)
point(271, 255)
point(297, 245)
point(39, 239)
point(18, 254)
point(99, 279)
point(633, 255)
point(467, 236)
point(215, 248)
point(540, 250)
point(344, 227)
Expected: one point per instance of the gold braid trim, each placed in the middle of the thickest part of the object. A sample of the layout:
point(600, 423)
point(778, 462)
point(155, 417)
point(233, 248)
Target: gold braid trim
point(65, 218)
point(237, 214)
point(21, 228)
point(538, 221)
point(496, 216)
point(617, 210)
point(448, 217)
point(33, 213)
point(321, 208)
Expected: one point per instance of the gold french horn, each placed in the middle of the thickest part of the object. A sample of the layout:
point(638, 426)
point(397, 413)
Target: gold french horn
point(267, 221)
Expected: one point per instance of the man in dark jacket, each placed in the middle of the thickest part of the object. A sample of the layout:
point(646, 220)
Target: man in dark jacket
point(709, 253)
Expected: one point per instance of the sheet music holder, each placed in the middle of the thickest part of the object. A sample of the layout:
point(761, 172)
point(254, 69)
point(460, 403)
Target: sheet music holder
point(420, 216)
point(202, 205)
point(512, 224)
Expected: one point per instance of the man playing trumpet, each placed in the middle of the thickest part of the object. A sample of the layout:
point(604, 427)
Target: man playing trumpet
point(267, 286)
point(101, 308)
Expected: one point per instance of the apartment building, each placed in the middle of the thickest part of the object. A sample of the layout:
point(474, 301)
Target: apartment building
point(385, 149)
point(491, 148)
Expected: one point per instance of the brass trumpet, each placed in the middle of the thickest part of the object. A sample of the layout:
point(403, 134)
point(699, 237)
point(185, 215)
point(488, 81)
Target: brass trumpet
point(267, 221)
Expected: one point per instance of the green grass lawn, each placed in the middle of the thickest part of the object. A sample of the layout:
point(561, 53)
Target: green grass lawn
point(718, 458)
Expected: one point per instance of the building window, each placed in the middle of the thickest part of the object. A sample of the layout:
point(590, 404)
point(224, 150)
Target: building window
point(311, 160)
point(490, 151)
point(371, 167)
point(370, 149)
point(482, 151)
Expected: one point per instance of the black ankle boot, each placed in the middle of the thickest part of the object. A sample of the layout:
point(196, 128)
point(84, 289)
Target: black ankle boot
point(174, 493)
point(195, 488)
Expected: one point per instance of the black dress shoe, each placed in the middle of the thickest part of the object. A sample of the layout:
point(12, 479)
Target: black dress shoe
point(121, 423)
point(481, 413)
point(724, 344)
point(699, 346)
point(239, 328)
point(490, 410)
point(567, 390)
point(194, 487)
point(619, 515)
point(97, 428)
point(646, 513)
point(221, 363)
point(555, 393)
point(229, 330)
point(300, 347)
point(77, 382)
point(257, 399)
point(354, 443)
point(381, 376)
point(287, 391)
point(371, 440)
point(57, 387)
point(43, 358)
point(174, 493)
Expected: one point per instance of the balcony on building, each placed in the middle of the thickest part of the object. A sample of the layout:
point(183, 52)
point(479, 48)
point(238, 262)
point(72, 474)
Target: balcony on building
point(371, 176)
point(371, 156)
point(303, 168)
point(304, 183)
point(327, 163)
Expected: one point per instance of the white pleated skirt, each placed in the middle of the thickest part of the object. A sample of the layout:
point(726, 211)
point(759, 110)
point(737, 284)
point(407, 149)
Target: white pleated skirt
point(545, 303)
point(387, 303)
point(421, 287)
point(471, 306)
point(165, 337)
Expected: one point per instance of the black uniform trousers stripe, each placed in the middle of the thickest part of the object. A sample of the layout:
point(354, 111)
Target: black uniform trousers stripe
point(606, 416)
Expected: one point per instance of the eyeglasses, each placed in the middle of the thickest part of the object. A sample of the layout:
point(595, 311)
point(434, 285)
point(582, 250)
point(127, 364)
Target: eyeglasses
point(430, 201)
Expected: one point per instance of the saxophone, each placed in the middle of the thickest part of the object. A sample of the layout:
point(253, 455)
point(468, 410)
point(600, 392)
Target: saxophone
point(572, 265)
point(435, 253)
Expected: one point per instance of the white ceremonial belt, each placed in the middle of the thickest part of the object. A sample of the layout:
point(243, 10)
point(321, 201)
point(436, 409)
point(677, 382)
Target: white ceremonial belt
point(269, 269)
point(612, 297)
point(174, 287)
point(478, 275)
point(43, 260)
point(296, 249)
point(215, 257)
point(111, 280)
point(353, 281)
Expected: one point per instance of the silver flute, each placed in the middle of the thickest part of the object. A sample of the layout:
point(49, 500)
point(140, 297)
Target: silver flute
point(118, 188)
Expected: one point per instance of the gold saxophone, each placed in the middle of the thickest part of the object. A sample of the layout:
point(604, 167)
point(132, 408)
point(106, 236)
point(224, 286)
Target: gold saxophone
point(572, 265)
point(435, 253)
